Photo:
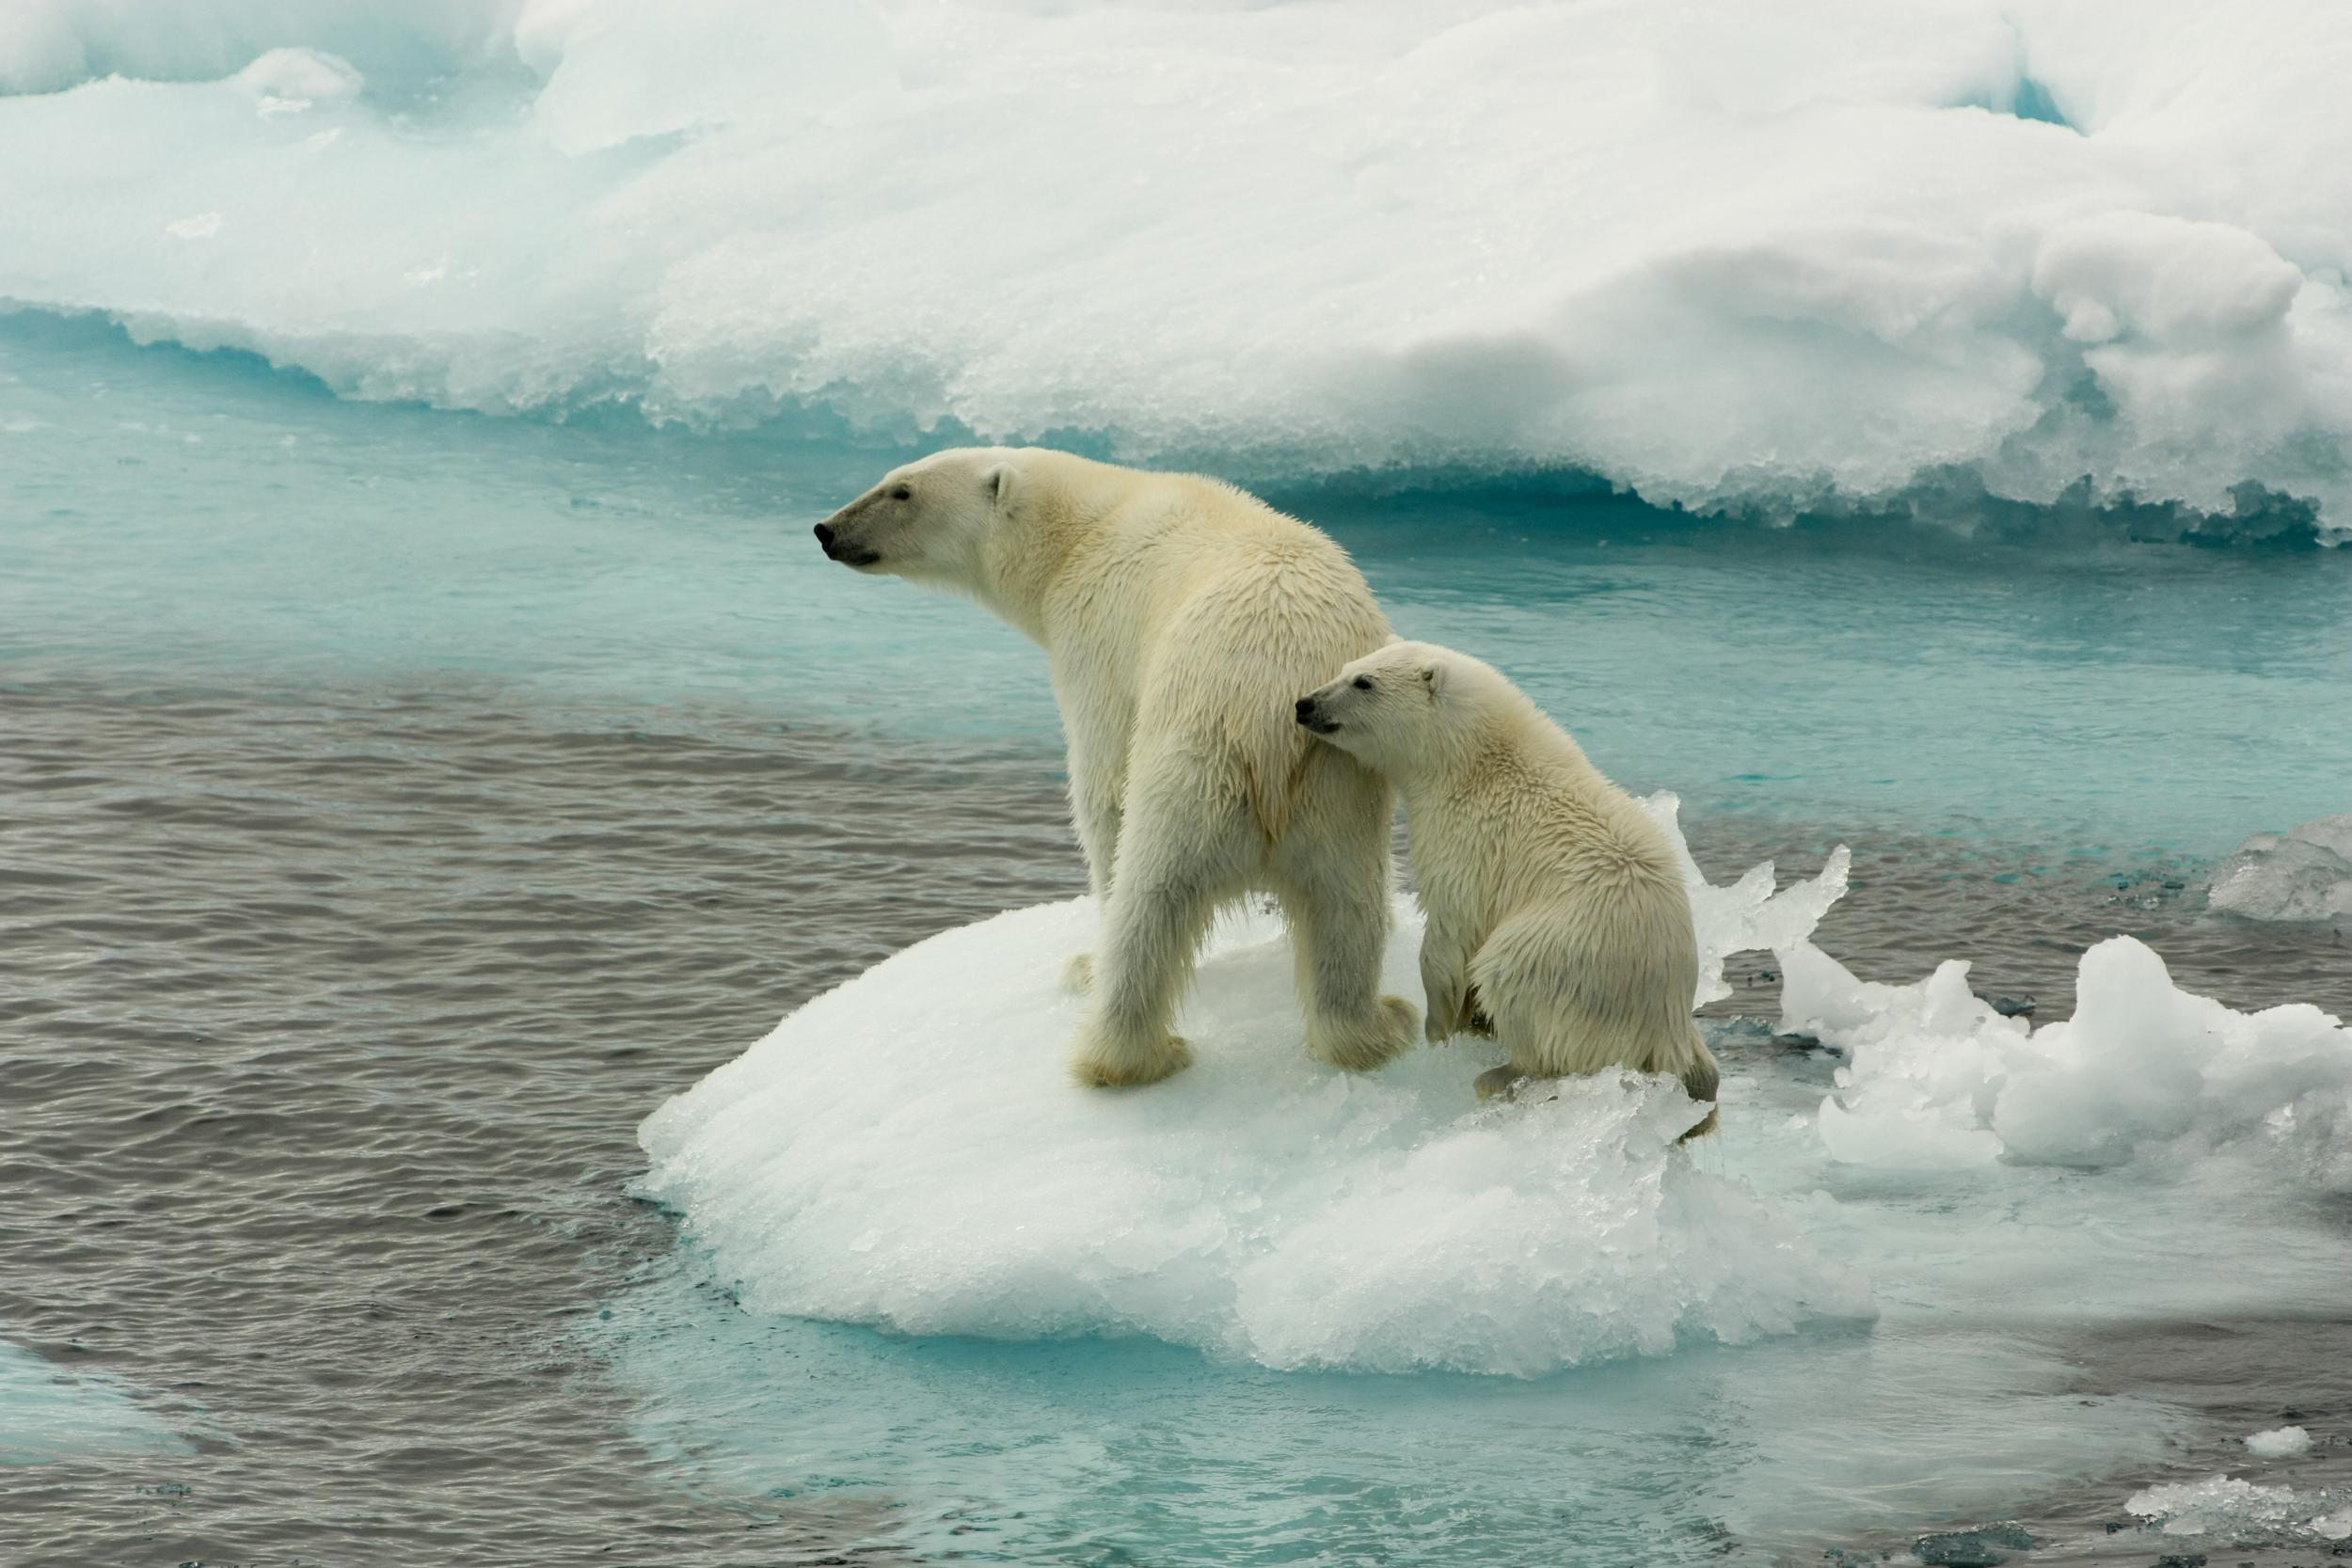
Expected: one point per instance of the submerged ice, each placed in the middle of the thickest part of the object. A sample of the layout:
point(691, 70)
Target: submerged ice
point(1827, 253)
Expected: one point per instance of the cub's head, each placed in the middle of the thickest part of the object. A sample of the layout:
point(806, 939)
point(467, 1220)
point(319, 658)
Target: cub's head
point(1401, 708)
point(929, 519)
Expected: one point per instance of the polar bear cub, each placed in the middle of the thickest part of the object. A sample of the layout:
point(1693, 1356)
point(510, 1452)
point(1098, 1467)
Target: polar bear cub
point(1180, 617)
point(1554, 905)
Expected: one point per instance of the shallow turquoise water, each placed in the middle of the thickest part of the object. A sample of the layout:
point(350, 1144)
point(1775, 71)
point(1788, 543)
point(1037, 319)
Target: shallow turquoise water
point(206, 514)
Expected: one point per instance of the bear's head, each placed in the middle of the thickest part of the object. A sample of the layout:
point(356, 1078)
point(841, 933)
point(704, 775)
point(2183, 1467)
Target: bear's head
point(1402, 708)
point(929, 519)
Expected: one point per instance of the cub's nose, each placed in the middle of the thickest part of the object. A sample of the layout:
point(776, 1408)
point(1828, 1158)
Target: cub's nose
point(824, 538)
point(1306, 709)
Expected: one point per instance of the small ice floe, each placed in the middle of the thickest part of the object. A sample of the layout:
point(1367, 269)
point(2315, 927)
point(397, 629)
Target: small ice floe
point(2278, 1443)
point(907, 1151)
point(2302, 874)
point(2243, 1514)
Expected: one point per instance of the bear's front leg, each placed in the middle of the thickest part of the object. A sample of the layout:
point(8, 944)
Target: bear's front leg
point(1182, 850)
point(1445, 984)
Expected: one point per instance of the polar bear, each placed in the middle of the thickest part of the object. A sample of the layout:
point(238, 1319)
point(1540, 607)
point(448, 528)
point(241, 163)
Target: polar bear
point(1179, 617)
point(1555, 907)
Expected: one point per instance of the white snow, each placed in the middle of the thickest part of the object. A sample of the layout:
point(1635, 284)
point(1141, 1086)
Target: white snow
point(1813, 252)
point(2278, 1443)
point(908, 1151)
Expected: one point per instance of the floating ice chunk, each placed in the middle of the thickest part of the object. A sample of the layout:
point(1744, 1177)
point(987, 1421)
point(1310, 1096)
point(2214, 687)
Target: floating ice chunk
point(1745, 915)
point(2303, 874)
point(2278, 1443)
point(1939, 1078)
point(2243, 1514)
point(1926, 1060)
point(908, 1151)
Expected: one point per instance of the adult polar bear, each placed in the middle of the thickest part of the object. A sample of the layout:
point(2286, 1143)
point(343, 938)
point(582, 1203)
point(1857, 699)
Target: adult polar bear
point(1555, 905)
point(1181, 618)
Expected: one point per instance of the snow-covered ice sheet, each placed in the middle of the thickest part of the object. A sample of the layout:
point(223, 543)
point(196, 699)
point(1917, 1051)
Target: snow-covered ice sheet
point(1814, 253)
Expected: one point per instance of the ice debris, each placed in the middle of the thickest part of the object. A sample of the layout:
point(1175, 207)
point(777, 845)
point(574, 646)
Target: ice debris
point(2302, 874)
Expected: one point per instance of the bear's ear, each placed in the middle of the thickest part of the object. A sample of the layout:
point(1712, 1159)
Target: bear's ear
point(1433, 676)
point(1000, 480)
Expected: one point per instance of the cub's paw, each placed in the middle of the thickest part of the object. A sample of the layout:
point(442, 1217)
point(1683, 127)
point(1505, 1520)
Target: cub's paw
point(1105, 1061)
point(1077, 974)
point(1360, 1045)
point(1508, 1083)
point(1498, 1083)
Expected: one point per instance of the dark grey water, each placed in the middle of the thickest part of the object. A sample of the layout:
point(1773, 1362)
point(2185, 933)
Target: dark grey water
point(328, 1024)
point(326, 1020)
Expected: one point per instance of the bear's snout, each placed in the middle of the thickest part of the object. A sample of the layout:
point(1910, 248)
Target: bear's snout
point(837, 548)
point(1310, 714)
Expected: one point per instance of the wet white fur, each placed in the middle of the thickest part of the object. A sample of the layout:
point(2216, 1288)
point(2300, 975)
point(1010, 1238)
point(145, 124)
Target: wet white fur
point(1182, 619)
point(1555, 907)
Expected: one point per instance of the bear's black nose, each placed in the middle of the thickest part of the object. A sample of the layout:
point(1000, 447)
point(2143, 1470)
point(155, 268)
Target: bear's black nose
point(824, 538)
point(1306, 707)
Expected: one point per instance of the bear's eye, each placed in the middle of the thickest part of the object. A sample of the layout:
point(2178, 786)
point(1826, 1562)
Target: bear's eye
point(903, 492)
point(1363, 683)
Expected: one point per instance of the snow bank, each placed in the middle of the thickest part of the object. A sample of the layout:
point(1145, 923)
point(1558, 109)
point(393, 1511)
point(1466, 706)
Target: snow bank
point(1939, 1080)
point(1823, 252)
point(2303, 874)
point(907, 1150)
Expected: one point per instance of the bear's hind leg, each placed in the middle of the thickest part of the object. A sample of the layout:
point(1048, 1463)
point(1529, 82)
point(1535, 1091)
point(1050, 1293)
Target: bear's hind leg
point(1332, 879)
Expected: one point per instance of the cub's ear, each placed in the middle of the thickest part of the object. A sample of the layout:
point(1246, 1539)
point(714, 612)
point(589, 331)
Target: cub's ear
point(1433, 676)
point(1000, 480)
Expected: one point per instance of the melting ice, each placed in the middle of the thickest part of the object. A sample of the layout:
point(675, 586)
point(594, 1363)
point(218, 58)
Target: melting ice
point(1817, 253)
